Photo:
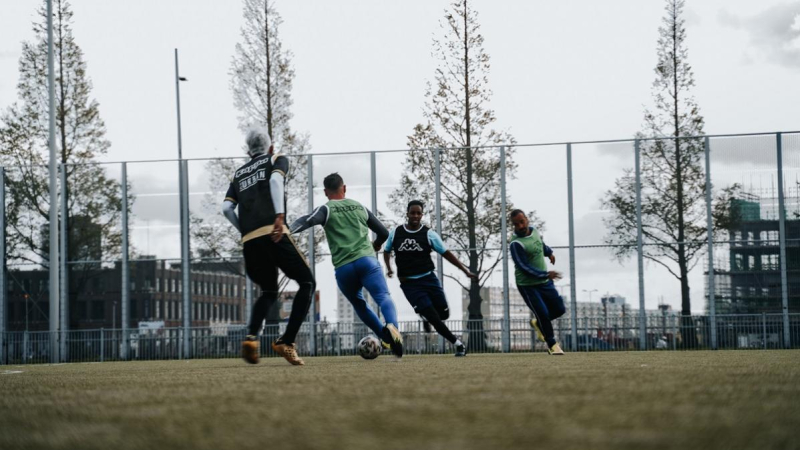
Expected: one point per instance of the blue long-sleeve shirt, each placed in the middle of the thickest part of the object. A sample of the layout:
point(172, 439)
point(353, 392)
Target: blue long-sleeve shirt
point(521, 259)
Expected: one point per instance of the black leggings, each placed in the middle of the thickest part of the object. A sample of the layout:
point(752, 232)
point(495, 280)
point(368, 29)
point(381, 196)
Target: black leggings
point(262, 259)
point(433, 318)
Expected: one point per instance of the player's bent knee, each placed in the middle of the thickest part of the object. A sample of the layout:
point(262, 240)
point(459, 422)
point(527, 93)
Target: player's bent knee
point(557, 312)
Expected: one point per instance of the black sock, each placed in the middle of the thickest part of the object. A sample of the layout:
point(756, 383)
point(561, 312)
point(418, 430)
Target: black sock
point(259, 312)
point(432, 317)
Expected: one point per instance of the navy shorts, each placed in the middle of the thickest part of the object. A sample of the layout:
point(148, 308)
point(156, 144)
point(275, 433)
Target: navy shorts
point(424, 292)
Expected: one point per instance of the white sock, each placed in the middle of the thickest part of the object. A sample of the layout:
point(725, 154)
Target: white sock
point(458, 342)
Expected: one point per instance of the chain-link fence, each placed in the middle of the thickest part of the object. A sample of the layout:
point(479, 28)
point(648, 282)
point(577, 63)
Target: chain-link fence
point(652, 257)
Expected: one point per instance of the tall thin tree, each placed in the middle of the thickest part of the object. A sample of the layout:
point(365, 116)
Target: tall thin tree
point(458, 117)
point(261, 83)
point(672, 174)
point(93, 199)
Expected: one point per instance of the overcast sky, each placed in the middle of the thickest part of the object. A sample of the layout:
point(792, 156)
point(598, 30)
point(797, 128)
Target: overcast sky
point(561, 71)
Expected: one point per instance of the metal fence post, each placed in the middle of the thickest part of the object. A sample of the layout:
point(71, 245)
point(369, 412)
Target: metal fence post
point(62, 264)
point(3, 318)
point(712, 297)
point(764, 329)
point(438, 196)
point(573, 289)
point(53, 289)
point(125, 290)
point(102, 345)
point(374, 204)
point(504, 250)
point(639, 249)
point(185, 255)
point(782, 237)
point(311, 251)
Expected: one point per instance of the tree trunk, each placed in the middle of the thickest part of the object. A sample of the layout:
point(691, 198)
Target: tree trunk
point(269, 69)
point(687, 324)
point(477, 337)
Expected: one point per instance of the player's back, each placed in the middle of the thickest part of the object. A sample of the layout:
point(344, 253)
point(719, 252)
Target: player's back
point(250, 189)
point(347, 231)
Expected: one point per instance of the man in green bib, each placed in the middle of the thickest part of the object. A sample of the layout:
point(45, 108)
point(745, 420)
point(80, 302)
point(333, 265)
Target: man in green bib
point(347, 224)
point(534, 281)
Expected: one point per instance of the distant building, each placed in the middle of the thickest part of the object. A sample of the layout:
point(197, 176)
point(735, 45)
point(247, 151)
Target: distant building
point(747, 274)
point(493, 304)
point(218, 292)
point(611, 316)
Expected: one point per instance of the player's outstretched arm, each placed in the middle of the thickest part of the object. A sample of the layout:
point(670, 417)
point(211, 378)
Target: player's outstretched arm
point(381, 233)
point(229, 211)
point(450, 257)
point(387, 254)
point(387, 259)
point(548, 253)
point(318, 217)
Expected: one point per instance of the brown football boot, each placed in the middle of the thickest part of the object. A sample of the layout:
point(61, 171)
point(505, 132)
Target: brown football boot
point(250, 351)
point(289, 352)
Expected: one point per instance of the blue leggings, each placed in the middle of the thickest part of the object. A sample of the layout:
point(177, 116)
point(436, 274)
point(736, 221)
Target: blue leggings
point(366, 272)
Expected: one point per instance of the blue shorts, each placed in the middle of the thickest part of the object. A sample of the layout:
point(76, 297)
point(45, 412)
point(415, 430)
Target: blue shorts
point(425, 292)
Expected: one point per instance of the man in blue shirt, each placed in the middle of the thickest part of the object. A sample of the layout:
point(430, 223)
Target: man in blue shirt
point(412, 245)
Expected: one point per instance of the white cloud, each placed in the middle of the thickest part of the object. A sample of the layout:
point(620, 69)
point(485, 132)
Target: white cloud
point(774, 32)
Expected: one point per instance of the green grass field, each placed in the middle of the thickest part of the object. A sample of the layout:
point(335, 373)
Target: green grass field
point(722, 399)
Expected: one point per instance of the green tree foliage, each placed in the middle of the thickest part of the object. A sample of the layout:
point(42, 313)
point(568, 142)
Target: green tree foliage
point(458, 119)
point(672, 172)
point(261, 83)
point(93, 198)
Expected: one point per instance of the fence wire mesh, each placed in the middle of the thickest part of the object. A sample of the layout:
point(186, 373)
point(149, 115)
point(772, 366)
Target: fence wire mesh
point(737, 287)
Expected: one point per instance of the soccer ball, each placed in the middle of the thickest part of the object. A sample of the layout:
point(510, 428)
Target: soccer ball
point(369, 347)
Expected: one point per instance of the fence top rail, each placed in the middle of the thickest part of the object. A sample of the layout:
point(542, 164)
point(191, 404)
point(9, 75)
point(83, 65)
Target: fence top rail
point(367, 152)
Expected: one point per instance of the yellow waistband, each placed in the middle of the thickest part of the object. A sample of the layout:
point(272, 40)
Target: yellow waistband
point(263, 231)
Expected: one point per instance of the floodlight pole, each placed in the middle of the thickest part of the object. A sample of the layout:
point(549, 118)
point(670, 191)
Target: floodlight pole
point(178, 80)
point(54, 275)
point(185, 258)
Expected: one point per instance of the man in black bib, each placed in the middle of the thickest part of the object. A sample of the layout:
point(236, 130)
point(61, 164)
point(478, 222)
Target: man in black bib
point(258, 191)
point(412, 244)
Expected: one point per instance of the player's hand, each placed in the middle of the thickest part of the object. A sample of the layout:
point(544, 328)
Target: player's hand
point(277, 231)
point(376, 246)
point(553, 275)
point(389, 273)
point(470, 275)
point(552, 258)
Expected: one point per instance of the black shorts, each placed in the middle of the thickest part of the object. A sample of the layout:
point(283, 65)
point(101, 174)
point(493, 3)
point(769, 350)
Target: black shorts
point(425, 292)
point(263, 258)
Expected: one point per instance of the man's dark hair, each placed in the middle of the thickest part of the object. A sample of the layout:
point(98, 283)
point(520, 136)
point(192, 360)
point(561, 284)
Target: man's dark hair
point(415, 203)
point(515, 213)
point(333, 182)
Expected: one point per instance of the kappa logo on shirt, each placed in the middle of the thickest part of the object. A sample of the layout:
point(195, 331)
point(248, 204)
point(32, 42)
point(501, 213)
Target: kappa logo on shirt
point(409, 245)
